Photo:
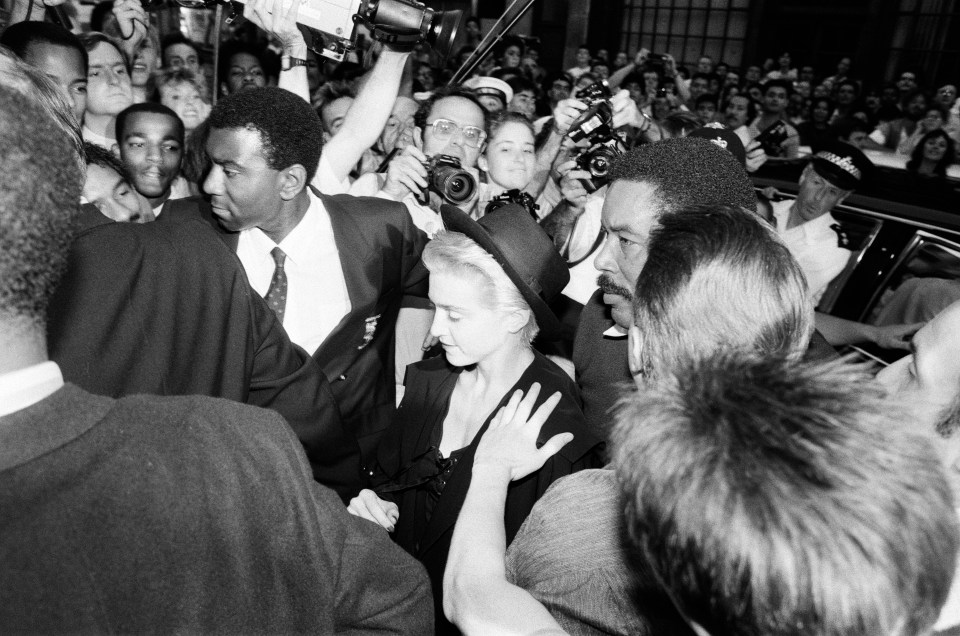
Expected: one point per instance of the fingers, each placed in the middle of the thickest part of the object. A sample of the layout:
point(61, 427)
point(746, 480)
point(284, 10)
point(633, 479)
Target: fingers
point(553, 446)
point(370, 507)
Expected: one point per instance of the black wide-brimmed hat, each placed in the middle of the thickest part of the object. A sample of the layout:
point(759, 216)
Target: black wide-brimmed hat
point(523, 250)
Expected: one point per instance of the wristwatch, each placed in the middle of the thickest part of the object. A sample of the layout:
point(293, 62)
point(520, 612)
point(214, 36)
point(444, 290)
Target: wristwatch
point(287, 62)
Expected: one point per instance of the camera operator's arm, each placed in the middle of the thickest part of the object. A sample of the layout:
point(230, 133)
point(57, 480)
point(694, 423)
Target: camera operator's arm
point(616, 78)
point(279, 19)
point(368, 114)
point(564, 114)
point(560, 222)
point(23, 10)
point(670, 70)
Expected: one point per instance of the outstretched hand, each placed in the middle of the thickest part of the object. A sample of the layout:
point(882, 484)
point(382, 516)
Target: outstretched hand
point(279, 19)
point(510, 442)
point(896, 336)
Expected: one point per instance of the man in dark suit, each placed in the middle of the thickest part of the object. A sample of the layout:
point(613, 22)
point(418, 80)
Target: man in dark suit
point(170, 514)
point(334, 269)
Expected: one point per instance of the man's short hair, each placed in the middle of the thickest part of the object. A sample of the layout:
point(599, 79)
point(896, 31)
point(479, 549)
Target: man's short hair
point(718, 277)
point(97, 155)
point(420, 117)
point(175, 37)
point(778, 83)
point(39, 202)
point(772, 497)
point(521, 83)
point(21, 36)
point(707, 98)
point(290, 130)
point(93, 39)
point(686, 172)
point(147, 107)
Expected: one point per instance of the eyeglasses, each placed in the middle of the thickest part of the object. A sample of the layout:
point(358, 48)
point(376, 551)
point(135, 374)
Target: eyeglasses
point(472, 136)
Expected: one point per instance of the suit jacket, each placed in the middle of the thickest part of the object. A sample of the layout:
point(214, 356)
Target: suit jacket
point(184, 515)
point(166, 309)
point(404, 460)
point(379, 249)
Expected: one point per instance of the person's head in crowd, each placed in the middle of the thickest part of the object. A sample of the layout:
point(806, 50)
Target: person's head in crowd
point(721, 69)
point(915, 105)
point(807, 74)
point(776, 96)
point(240, 68)
point(803, 88)
point(796, 106)
point(946, 96)
point(583, 56)
point(101, 16)
point(853, 131)
point(558, 87)
point(509, 156)
point(602, 55)
point(835, 171)
point(180, 91)
point(713, 83)
point(934, 117)
point(452, 122)
point(706, 108)
point(633, 84)
point(55, 51)
point(336, 98)
point(651, 80)
point(264, 145)
point(661, 107)
point(753, 74)
point(511, 52)
point(472, 27)
point(45, 95)
point(784, 61)
point(907, 82)
point(648, 182)
point(755, 92)
point(732, 78)
point(699, 85)
point(928, 380)
point(493, 93)
point(150, 137)
point(847, 93)
point(620, 60)
point(145, 63)
point(843, 66)
point(424, 79)
point(704, 66)
point(108, 188)
point(702, 261)
point(600, 68)
point(933, 154)
point(816, 511)
point(585, 79)
point(524, 100)
point(820, 91)
point(39, 205)
point(739, 111)
point(108, 83)
point(400, 118)
point(177, 51)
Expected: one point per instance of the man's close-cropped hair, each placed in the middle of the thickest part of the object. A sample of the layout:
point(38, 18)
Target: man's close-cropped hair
point(21, 36)
point(423, 113)
point(687, 171)
point(39, 202)
point(718, 277)
point(773, 498)
point(99, 156)
point(290, 130)
point(148, 107)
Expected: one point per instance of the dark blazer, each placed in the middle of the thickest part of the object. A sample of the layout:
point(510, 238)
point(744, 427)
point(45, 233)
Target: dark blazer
point(379, 249)
point(404, 460)
point(185, 515)
point(166, 309)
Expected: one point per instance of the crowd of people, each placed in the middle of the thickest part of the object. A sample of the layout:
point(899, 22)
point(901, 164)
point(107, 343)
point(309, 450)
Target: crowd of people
point(290, 345)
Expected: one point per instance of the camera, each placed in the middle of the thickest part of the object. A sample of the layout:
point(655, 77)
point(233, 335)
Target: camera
point(771, 138)
point(597, 160)
point(519, 197)
point(597, 120)
point(446, 177)
point(400, 24)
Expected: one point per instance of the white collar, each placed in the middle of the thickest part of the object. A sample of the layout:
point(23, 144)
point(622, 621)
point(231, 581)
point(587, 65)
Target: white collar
point(25, 387)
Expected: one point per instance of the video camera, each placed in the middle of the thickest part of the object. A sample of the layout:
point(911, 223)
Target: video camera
point(596, 126)
point(400, 24)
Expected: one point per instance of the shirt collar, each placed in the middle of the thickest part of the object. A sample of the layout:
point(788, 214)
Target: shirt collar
point(300, 243)
point(616, 331)
point(25, 387)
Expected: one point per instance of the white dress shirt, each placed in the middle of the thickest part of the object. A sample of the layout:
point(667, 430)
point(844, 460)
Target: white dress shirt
point(317, 297)
point(814, 245)
point(25, 387)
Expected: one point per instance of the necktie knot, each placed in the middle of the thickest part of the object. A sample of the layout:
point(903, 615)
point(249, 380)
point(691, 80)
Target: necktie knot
point(278, 257)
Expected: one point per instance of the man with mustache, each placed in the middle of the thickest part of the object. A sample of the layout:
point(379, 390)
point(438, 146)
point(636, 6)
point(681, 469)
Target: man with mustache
point(646, 183)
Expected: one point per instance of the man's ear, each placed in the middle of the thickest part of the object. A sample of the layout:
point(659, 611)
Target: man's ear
point(635, 352)
point(292, 180)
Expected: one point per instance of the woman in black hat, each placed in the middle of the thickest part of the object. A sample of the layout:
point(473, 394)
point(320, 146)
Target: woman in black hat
point(490, 282)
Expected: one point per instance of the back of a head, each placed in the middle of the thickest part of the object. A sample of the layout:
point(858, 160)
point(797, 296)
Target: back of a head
point(290, 131)
point(39, 196)
point(687, 172)
point(718, 278)
point(777, 498)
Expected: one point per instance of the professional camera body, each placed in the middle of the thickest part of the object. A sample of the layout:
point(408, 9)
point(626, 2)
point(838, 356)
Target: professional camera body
point(519, 197)
point(400, 24)
point(596, 126)
point(446, 177)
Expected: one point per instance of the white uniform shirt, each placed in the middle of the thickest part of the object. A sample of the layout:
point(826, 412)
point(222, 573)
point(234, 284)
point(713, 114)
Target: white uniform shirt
point(814, 245)
point(317, 297)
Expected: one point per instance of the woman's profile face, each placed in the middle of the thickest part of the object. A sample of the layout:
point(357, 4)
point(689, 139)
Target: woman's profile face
point(934, 148)
point(510, 156)
point(468, 329)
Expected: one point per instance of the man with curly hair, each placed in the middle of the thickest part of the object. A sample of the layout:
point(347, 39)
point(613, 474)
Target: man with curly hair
point(334, 269)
